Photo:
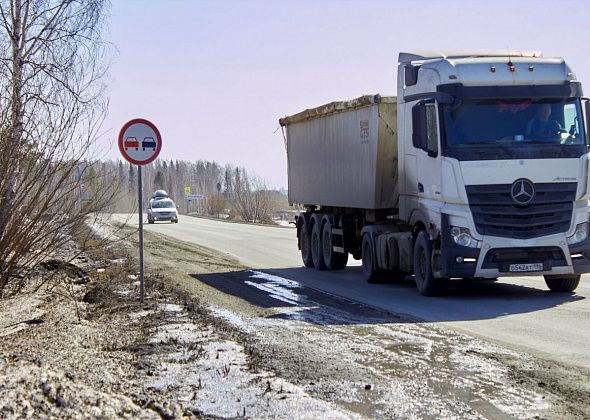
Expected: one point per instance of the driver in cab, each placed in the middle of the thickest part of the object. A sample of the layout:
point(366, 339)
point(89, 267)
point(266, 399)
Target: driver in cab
point(542, 127)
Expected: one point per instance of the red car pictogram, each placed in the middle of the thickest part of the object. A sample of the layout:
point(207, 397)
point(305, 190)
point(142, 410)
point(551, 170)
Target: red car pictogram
point(131, 142)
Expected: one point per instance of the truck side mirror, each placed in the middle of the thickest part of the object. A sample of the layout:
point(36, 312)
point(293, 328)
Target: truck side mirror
point(587, 118)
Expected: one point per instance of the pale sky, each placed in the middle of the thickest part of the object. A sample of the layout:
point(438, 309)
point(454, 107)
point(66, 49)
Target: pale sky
point(215, 76)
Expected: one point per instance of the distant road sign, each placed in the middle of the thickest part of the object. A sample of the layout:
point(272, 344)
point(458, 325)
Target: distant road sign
point(140, 141)
point(195, 197)
point(187, 190)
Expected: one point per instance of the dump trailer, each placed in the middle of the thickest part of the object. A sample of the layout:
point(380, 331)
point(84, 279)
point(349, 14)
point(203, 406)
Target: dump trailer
point(478, 168)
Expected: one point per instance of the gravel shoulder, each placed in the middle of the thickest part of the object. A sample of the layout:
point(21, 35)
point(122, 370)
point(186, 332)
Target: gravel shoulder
point(216, 340)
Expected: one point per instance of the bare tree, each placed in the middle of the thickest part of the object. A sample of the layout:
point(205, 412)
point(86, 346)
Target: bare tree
point(215, 205)
point(251, 198)
point(52, 79)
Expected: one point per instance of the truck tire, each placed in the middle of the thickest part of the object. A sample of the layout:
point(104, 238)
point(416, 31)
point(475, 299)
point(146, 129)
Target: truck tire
point(562, 283)
point(333, 260)
point(317, 250)
point(304, 243)
point(426, 283)
point(372, 273)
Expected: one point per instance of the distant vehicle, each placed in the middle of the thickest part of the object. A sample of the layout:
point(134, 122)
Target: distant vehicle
point(148, 142)
point(131, 142)
point(160, 194)
point(162, 209)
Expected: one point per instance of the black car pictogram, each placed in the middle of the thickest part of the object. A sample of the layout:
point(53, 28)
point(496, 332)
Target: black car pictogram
point(148, 142)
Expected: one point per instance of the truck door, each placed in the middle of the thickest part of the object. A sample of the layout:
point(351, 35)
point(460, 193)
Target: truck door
point(425, 141)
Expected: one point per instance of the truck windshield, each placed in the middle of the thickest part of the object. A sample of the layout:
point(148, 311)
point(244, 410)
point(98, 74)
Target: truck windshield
point(514, 128)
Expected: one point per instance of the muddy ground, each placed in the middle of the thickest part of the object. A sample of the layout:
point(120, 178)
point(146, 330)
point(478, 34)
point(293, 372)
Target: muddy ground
point(215, 340)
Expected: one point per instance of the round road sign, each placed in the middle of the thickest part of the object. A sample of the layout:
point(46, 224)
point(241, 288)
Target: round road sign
point(140, 141)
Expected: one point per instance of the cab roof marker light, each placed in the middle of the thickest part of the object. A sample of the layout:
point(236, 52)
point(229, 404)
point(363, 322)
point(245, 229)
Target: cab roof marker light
point(511, 66)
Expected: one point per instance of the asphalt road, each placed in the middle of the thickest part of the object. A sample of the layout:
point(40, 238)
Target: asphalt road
point(517, 312)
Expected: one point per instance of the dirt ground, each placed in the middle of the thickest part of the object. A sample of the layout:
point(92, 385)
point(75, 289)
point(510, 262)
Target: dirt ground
point(215, 340)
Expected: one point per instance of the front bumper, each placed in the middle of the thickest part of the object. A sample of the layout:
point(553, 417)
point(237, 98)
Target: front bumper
point(496, 255)
point(162, 217)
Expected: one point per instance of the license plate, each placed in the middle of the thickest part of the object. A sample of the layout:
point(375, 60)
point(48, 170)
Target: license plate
point(517, 268)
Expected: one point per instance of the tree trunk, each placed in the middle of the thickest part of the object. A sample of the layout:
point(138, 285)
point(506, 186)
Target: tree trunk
point(16, 118)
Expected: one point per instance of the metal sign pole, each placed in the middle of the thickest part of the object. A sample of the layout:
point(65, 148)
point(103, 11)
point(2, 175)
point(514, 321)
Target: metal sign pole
point(140, 201)
point(140, 143)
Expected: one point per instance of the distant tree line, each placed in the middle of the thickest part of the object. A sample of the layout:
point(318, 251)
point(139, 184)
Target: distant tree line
point(241, 196)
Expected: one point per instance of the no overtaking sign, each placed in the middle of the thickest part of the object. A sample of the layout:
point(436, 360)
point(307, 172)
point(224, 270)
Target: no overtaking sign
point(140, 141)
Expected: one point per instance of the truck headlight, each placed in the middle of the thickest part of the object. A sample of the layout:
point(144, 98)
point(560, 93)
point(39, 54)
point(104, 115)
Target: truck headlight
point(462, 236)
point(579, 235)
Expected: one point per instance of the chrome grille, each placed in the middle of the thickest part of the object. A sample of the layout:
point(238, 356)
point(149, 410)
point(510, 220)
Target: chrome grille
point(496, 214)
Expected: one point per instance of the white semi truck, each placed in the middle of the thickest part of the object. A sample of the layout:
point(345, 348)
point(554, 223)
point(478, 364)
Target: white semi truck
point(477, 169)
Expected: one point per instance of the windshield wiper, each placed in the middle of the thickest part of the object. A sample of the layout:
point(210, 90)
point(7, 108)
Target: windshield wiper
point(497, 150)
point(548, 143)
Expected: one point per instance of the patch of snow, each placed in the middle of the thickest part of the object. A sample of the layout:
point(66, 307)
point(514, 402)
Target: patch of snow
point(277, 287)
point(275, 279)
point(100, 229)
point(184, 333)
point(170, 307)
point(140, 314)
point(233, 319)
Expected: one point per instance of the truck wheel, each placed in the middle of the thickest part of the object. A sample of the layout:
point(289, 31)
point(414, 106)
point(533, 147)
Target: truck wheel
point(562, 283)
point(425, 282)
point(304, 243)
point(372, 273)
point(150, 221)
point(333, 260)
point(317, 251)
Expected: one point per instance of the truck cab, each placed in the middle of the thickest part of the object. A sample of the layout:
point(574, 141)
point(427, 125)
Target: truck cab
point(493, 166)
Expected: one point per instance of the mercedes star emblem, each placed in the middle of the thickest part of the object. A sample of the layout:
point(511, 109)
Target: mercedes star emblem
point(522, 191)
